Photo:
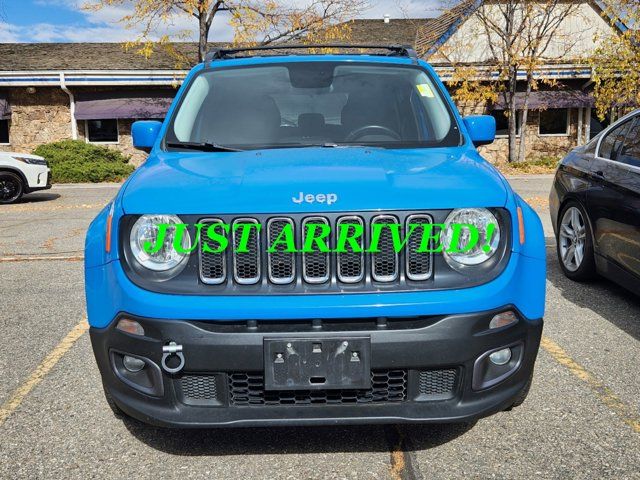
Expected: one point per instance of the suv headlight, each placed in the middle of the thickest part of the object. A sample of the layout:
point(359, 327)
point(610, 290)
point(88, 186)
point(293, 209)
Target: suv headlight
point(145, 232)
point(483, 250)
point(31, 161)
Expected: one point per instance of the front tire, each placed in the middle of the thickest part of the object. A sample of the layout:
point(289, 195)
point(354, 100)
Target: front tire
point(11, 188)
point(574, 243)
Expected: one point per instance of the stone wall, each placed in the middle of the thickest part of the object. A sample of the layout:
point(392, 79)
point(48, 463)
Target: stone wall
point(537, 146)
point(42, 115)
point(38, 115)
point(125, 142)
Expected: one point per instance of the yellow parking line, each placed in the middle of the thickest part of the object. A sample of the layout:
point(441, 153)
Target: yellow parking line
point(67, 258)
point(624, 411)
point(51, 208)
point(41, 371)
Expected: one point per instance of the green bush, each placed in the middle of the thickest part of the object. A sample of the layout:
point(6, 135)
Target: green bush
point(74, 161)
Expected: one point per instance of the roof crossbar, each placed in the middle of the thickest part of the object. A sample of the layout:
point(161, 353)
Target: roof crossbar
point(395, 50)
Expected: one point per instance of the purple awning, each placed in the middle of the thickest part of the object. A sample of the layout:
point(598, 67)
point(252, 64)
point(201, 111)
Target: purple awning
point(540, 100)
point(137, 104)
point(5, 108)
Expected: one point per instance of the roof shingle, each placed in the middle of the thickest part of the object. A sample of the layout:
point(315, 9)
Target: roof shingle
point(397, 31)
point(86, 56)
point(112, 56)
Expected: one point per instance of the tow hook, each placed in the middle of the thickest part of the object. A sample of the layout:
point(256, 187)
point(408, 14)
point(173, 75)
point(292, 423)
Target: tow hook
point(167, 351)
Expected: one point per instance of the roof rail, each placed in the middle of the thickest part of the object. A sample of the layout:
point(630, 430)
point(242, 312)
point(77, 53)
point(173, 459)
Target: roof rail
point(395, 50)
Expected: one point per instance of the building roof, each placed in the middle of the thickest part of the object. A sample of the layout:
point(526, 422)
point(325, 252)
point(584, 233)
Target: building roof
point(397, 31)
point(433, 34)
point(86, 56)
point(112, 56)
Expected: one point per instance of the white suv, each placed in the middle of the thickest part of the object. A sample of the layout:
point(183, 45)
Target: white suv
point(22, 173)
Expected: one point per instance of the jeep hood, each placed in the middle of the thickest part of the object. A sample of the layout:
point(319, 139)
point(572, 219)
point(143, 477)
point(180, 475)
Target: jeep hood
point(267, 181)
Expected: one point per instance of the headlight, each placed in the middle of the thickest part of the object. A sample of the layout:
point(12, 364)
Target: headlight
point(485, 247)
point(145, 232)
point(31, 161)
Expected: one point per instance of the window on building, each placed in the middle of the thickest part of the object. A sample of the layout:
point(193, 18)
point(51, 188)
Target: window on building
point(102, 131)
point(554, 121)
point(4, 132)
point(630, 151)
point(612, 141)
point(502, 122)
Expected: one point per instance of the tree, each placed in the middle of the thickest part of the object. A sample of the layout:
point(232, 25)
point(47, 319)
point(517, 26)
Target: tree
point(254, 22)
point(616, 62)
point(518, 35)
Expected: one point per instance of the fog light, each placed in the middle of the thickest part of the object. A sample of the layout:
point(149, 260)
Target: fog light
point(500, 357)
point(133, 364)
point(503, 319)
point(130, 326)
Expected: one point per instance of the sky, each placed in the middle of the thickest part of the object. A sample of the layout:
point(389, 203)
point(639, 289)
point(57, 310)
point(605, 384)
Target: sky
point(65, 21)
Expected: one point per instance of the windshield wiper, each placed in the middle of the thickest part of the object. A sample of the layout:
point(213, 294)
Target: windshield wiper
point(304, 145)
point(203, 146)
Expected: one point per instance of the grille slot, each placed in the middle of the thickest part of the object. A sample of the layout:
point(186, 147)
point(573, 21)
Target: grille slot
point(418, 265)
point(281, 265)
point(247, 389)
point(350, 263)
point(246, 265)
point(438, 383)
point(213, 266)
point(384, 263)
point(201, 390)
point(315, 265)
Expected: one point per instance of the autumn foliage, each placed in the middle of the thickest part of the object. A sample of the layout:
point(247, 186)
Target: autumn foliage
point(254, 22)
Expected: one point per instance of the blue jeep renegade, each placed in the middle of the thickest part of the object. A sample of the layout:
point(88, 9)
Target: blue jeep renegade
point(263, 336)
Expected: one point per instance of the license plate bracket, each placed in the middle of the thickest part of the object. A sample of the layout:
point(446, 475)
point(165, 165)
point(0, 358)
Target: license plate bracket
point(317, 363)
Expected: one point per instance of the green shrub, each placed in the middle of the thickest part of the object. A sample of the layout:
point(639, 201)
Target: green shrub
point(74, 161)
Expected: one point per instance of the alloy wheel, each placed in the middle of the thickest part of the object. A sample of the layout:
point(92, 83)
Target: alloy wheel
point(573, 236)
point(9, 189)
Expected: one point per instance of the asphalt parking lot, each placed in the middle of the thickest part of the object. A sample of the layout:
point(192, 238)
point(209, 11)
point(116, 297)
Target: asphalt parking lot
point(581, 420)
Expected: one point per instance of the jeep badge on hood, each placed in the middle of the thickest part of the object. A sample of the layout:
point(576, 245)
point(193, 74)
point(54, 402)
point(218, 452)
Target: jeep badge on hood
point(328, 198)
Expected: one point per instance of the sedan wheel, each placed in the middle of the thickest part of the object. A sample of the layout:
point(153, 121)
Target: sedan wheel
point(572, 239)
point(575, 249)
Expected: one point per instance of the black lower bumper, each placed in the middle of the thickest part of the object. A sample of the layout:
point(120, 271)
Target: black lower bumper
point(38, 189)
point(423, 369)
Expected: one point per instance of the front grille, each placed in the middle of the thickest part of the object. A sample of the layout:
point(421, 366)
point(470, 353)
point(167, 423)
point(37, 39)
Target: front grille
point(247, 389)
point(258, 266)
point(438, 383)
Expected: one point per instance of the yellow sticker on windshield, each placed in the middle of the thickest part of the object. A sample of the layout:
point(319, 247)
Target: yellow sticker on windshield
point(425, 90)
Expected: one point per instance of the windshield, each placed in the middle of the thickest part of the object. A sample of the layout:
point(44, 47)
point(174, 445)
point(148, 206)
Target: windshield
point(312, 103)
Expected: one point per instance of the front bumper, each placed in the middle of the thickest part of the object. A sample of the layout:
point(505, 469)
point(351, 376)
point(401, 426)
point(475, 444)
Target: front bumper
point(38, 177)
point(42, 180)
point(423, 369)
